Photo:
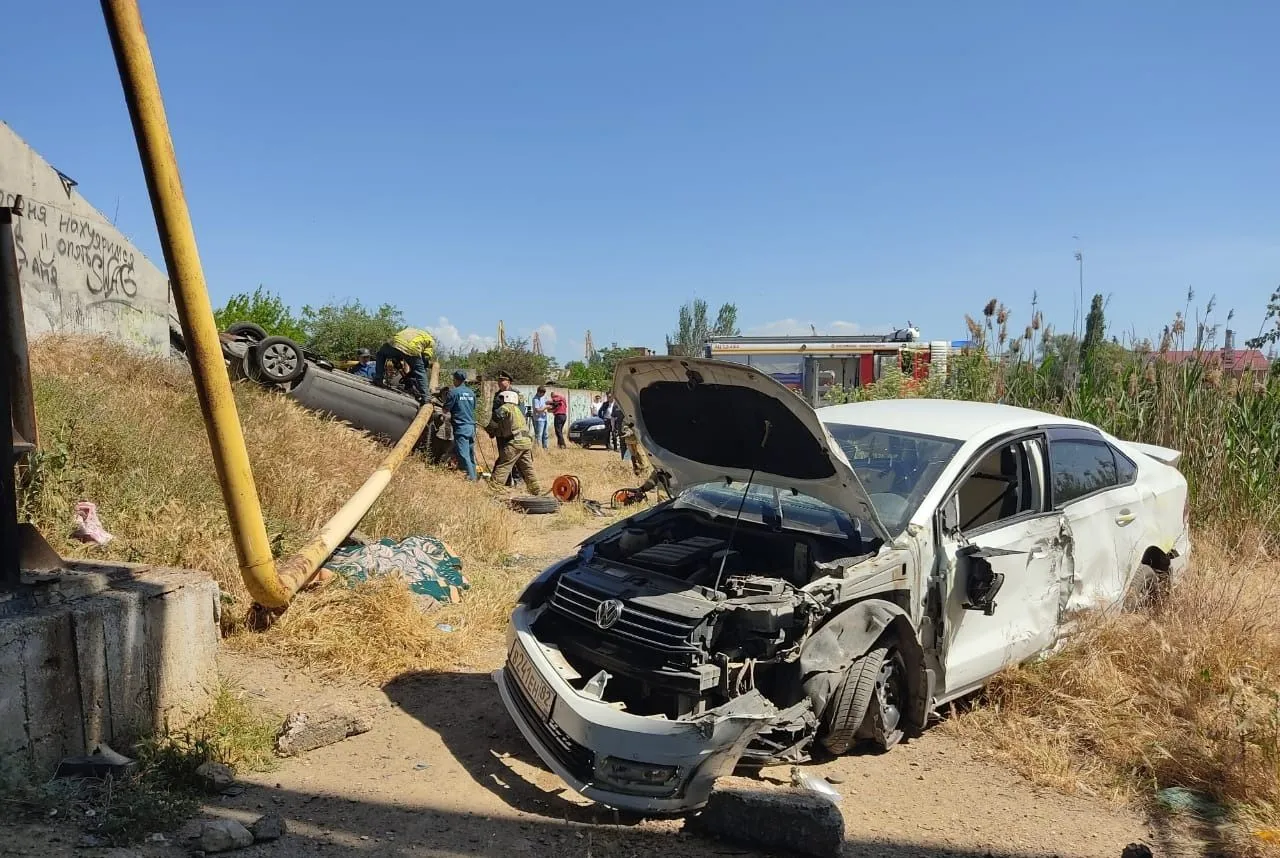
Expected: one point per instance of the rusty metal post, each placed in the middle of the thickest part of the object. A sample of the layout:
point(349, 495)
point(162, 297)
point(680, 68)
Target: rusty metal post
point(10, 570)
point(15, 356)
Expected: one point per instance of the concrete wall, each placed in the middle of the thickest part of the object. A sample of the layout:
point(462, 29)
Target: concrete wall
point(579, 400)
point(79, 273)
point(102, 653)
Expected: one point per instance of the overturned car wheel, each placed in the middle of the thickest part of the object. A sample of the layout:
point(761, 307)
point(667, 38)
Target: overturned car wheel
point(277, 360)
point(868, 705)
point(248, 330)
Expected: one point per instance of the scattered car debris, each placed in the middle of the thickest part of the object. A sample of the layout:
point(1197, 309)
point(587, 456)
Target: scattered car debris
point(268, 828)
point(224, 835)
point(777, 819)
point(216, 777)
point(88, 528)
point(325, 725)
point(800, 779)
point(98, 763)
point(426, 563)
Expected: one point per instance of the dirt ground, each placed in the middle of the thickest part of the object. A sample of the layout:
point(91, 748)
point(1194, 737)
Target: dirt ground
point(444, 772)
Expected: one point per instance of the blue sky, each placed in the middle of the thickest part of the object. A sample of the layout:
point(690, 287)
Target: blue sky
point(593, 165)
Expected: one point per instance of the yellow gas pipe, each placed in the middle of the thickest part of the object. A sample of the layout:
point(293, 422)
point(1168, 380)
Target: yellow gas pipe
point(271, 587)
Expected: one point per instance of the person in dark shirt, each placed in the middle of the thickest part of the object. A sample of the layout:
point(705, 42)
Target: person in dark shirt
point(616, 418)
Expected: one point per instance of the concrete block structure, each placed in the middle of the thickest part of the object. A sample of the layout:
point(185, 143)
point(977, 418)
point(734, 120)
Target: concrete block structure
point(79, 274)
point(102, 653)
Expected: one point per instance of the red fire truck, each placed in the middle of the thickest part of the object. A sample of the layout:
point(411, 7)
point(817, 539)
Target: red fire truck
point(818, 363)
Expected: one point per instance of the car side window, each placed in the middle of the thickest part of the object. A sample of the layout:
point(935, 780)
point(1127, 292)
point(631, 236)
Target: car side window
point(1004, 485)
point(1081, 467)
point(1126, 470)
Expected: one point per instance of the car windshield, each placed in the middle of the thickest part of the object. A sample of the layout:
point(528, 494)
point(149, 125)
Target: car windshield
point(896, 469)
point(772, 507)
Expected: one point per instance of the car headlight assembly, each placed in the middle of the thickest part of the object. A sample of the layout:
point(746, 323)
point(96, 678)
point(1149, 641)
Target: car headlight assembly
point(539, 589)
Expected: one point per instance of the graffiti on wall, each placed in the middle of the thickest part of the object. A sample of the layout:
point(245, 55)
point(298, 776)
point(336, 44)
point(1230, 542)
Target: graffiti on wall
point(58, 249)
point(579, 404)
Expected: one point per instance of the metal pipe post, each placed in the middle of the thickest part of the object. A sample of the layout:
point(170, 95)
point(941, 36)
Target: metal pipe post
point(177, 238)
point(15, 356)
point(298, 571)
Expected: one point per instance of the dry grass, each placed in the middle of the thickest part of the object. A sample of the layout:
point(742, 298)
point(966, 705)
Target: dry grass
point(1182, 695)
point(125, 431)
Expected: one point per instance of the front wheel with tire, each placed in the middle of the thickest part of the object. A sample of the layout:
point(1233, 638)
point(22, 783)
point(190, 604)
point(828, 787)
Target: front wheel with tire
point(277, 360)
point(868, 705)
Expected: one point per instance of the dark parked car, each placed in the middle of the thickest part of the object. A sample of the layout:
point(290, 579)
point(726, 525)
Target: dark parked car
point(589, 431)
point(281, 363)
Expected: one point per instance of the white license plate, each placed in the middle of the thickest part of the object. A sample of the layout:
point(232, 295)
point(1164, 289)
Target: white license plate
point(536, 689)
point(575, 435)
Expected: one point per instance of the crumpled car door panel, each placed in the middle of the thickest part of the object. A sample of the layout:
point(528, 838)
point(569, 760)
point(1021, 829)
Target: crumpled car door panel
point(1024, 620)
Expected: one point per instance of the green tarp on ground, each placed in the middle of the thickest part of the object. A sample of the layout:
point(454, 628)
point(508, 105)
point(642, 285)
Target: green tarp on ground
point(423, 561)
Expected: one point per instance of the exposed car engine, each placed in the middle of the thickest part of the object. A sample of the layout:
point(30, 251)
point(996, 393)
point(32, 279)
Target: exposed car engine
point(668, 621)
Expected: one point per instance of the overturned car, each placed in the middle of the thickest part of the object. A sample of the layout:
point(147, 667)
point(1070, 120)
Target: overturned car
point(819, 577)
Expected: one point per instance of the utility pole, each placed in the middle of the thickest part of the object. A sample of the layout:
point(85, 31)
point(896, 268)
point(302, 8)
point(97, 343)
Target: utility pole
point(502, 335)
point(1075, 324)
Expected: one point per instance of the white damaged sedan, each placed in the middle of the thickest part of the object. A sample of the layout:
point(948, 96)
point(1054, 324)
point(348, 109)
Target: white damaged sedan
point(826, 577)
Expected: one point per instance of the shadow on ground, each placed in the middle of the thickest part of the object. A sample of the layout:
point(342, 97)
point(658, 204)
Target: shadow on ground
point(464, 709)
point(332, 825)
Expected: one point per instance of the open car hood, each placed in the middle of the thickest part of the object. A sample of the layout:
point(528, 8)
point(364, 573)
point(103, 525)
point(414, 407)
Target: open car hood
point(706, 420)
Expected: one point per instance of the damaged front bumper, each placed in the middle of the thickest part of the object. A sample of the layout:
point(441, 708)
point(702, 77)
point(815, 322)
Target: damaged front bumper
point(624, 761)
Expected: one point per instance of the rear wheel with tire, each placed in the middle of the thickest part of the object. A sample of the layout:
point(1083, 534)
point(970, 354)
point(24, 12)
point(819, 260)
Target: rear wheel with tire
point(1147, 589)
point(248, 330)
point(868, 704)
point(277, 360)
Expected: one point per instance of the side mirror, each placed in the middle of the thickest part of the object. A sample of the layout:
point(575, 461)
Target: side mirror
point(981, 583)
point(951, 514)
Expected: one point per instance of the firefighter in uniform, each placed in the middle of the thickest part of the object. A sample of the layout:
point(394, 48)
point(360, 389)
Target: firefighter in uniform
point(639, 458)
point(504, 385)
point(515, 444)
point(416, 349)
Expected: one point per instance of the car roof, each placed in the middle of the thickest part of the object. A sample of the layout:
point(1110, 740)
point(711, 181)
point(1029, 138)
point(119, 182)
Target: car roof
point(956, 419)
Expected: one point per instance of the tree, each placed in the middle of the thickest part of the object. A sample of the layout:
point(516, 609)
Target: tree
point(597, 373)
point(693, 330)
point(262, 308)
point(726, 321)
point(1095, 330)
point(1266, 338)
point(517, 360)
point(336, 331)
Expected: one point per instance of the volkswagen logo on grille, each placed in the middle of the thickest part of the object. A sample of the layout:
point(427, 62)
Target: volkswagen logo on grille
point(608, 612)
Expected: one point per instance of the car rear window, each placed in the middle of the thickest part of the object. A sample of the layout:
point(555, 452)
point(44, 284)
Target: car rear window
point(1081, 467)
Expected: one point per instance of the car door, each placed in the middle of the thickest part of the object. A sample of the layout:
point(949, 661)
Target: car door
point(1094, 485)
point(999, 529)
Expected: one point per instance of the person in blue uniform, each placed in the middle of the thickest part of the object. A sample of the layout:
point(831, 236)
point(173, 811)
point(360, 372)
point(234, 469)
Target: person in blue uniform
point(461, 405)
